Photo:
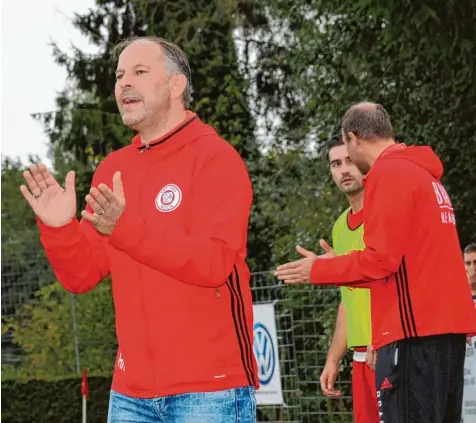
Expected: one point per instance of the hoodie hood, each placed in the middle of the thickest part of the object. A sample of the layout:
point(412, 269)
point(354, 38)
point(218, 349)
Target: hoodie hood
point(423, 156)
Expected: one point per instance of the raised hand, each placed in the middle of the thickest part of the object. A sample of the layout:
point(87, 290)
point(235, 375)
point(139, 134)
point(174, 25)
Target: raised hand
point(328, 251)
point(300, 271)
point(297, 271)
point(107, 205)
point(54, 205)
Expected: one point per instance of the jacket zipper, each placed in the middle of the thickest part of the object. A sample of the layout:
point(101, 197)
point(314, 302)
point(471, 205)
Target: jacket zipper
point(149, 347)
point(147, 147)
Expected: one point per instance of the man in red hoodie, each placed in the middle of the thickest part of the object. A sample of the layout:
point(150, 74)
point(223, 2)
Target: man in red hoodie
point(421, 304)
point(167, 219)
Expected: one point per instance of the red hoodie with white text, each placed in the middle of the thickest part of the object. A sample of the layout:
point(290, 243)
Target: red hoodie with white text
point(184, 317)
point(412, 261)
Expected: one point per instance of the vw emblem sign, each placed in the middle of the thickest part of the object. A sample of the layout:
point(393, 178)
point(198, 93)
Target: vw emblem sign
point(264, 352)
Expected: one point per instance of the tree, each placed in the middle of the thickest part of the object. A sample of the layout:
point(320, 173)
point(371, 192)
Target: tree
point(86, 126)
point(24, 265)
point(417, 59)
point(43, 332)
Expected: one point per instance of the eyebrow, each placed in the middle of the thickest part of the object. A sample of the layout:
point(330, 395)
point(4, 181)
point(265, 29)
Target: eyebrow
point(139, 65)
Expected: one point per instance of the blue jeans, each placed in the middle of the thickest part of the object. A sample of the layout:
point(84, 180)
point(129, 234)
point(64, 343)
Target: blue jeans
point(231, 406)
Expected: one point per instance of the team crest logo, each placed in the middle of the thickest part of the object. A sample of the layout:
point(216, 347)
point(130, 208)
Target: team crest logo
point(168, 198)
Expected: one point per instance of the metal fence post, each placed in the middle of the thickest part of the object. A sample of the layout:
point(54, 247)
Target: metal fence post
point(75, 333)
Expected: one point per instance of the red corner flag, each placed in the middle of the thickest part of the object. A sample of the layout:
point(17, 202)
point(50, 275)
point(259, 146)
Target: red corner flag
point(84, 384)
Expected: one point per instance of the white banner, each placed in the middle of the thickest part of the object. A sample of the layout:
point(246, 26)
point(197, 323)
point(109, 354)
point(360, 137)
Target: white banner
point(265, 346)
point(469, 395)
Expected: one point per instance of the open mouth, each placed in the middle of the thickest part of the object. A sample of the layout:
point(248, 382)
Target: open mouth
point(130, 101)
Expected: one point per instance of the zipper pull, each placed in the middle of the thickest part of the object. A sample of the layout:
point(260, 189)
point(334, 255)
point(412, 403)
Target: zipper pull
point(147, 146)
point(218, 293)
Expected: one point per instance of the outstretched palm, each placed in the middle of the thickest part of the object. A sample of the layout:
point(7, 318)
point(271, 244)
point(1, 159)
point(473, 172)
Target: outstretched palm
point(53, 204)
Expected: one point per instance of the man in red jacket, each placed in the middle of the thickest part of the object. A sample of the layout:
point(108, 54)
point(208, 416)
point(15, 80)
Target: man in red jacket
point(421, 304)
point(167, 219)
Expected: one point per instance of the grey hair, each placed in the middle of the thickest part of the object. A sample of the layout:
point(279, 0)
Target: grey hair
point(176, 61)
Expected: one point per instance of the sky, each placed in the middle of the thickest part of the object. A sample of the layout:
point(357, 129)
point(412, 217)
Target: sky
point(30, 78)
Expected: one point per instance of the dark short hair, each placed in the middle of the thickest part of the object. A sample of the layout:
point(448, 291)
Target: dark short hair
point(176, 60)
point(332, 142)
point(471, 248)
point(368, 121)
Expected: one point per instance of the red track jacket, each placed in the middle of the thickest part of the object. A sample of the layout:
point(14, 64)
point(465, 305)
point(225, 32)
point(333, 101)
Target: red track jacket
point(177, 260)
point(412, 261)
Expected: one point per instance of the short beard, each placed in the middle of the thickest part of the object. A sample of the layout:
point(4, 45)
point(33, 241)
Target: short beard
point(133, 123)
point(155, 117)
point(352, 190)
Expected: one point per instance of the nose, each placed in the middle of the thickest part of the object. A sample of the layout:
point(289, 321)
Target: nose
point(345, 168)
point(125, 81)
point(125, 85)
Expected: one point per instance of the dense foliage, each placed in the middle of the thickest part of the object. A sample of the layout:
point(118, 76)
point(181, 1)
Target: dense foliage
point(274, 78)
point(58, 401)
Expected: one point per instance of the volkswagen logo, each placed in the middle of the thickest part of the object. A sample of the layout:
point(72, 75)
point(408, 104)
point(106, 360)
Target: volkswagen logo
point(264, 351)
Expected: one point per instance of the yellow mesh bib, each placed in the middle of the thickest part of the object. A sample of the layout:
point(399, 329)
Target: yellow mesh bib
point(356, 300)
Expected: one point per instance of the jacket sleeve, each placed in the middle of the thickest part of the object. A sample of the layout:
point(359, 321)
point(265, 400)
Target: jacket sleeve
point(205, 254)
point(389, 203)
point(77, 254)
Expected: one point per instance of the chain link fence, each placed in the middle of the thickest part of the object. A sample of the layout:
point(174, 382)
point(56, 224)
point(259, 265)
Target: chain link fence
point(305, 317)
point(49, 333)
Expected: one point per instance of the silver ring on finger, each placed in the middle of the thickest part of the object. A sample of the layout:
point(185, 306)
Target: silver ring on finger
point(101, 212)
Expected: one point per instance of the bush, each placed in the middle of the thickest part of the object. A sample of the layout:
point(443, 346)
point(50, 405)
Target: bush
point(59, 401)
point(43, 336)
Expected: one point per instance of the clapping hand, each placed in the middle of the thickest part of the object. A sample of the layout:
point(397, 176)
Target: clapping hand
point(54, 205)
point(107, 205)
